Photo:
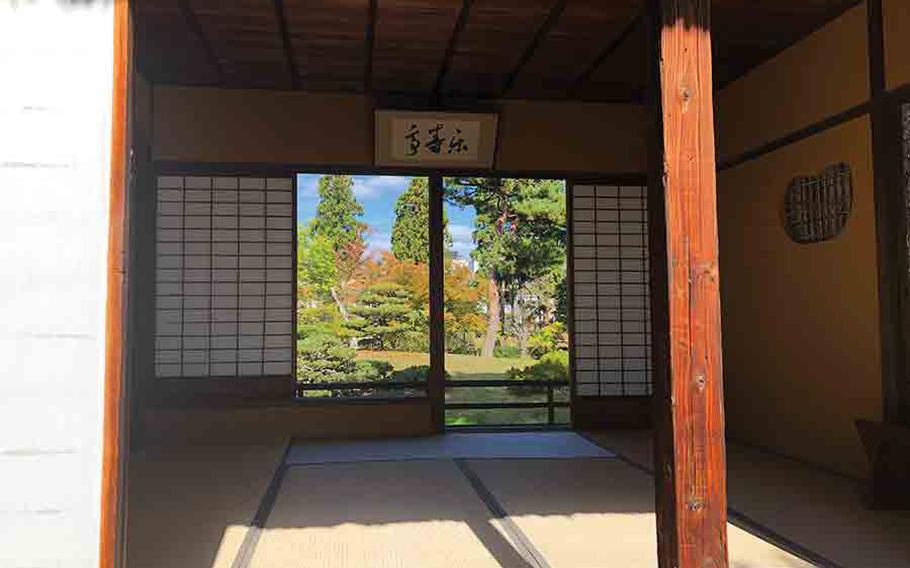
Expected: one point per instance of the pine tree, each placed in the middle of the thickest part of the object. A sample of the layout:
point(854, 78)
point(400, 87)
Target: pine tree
point(382, 314)
point(520, 235)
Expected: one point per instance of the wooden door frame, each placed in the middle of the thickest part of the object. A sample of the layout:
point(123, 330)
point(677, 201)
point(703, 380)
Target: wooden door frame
point(114, 439)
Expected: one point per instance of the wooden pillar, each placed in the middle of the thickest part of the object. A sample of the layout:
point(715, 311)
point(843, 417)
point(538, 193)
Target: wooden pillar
point(690, 465)
point(436, 382)
point(114, 430)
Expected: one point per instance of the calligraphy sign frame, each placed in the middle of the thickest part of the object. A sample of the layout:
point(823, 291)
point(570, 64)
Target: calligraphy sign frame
point(435, 140)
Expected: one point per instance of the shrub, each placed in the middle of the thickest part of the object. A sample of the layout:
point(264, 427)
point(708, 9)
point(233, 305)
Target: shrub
point(552, 337)
point(417, 341)
point(460, 343)
point(368, 370)
point(553, 366)
point(506, 352)
point(412, 374)
point(324, 358)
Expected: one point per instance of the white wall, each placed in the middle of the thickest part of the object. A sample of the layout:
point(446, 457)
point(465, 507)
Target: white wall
point(55, 99)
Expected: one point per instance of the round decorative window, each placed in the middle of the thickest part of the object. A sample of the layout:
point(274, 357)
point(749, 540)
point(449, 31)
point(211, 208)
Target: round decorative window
point(816, 208)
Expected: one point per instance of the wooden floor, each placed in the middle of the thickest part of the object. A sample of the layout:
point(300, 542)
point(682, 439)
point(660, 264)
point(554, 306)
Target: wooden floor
point(194, 507)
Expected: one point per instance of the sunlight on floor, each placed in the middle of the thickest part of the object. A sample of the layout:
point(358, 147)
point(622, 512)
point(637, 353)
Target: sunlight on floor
point(193, 507)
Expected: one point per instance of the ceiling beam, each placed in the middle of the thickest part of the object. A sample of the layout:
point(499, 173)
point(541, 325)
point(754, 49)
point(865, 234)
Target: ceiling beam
point(555, 12)
point(450, 48)
point(193, 23)
point(609, 50)
point(370, 46)
point(286, 42)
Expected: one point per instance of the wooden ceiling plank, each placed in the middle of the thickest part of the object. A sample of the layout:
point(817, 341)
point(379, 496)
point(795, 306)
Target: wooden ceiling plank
point(609, 50)
point(555, 12)
point(290, 59)
point(450, 47)
point(193, 23)
point(370, 47)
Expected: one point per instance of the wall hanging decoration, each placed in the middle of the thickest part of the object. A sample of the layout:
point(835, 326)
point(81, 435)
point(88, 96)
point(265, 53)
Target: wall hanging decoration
point(816, 208)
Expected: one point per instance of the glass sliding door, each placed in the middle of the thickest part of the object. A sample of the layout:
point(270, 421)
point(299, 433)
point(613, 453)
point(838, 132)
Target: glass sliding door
point(362, 286)
point(505, 310)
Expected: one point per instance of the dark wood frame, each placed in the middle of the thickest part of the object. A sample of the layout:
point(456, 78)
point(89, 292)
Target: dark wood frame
point(181, 391)
point(891, 225)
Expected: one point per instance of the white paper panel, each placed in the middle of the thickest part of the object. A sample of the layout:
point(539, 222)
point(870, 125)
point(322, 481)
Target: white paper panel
point(225, 291)
point(610, 293)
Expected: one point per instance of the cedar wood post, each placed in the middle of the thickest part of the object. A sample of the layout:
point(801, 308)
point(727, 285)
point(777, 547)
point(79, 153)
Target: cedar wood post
point(690, 480)
point(114, 431)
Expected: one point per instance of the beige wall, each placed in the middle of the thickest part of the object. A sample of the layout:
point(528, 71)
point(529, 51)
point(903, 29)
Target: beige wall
point(897, 42)
point(801, 337)
point(821, 76)
point(801, 325)
point(271, 127)
point(211, 125)
point(311, 421)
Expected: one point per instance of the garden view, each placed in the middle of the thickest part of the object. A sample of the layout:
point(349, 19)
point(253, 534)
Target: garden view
point(363, 291)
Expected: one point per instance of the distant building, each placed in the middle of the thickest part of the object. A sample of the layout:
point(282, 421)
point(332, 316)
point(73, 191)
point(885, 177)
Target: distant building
point(461, 261)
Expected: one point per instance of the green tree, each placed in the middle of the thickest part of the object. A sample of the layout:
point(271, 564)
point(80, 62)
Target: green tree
point(315, 265)
point(337, 223)
point(338, 214)
point(410, 232)
point(520, 232)
point(324, 358)
point(383, 314)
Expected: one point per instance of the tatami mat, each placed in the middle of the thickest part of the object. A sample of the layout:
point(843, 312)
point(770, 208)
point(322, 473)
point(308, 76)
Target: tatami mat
point(581, 513)
point(450, 446)
point(190, 507)
point(821, 511)
point(385, 514)
point(392, 504)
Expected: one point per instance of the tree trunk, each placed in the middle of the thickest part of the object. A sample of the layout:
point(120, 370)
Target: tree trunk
point(489, 342)
point(341, 307)
point(520, 324)
point(343, 310)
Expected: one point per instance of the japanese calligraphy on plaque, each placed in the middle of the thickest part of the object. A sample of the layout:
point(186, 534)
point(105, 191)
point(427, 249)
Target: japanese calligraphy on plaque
point(433, 139)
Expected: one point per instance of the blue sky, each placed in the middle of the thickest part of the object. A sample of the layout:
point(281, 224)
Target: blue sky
point(377, 194)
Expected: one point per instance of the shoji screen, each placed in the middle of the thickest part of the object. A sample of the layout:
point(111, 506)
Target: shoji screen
point(611, 314)
point(225, 277)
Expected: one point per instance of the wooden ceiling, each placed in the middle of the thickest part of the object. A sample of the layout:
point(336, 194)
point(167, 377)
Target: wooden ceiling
point(473, 49)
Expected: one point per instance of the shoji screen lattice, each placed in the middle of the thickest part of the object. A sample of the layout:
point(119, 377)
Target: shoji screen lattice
point(224, 277)
point(611, 318)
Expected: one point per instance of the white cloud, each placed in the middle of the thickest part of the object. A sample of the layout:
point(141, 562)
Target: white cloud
point(463, 248)
point(461, 232)
point(378, 242)
point(462, 239)
point(371, 187)
point(365, 187)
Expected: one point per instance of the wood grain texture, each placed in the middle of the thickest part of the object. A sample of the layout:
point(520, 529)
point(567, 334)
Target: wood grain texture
point(436, 383)
point(525, 48)
point(112, 438)
point(890, 227)
point(691, 496)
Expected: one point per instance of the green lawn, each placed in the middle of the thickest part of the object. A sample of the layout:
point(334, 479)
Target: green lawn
point(469, 367)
